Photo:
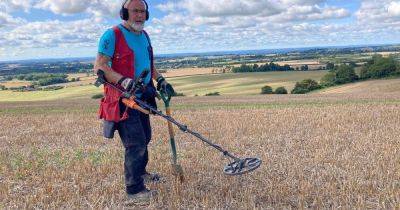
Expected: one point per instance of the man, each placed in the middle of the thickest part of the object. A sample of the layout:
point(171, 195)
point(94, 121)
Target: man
point(125, 52)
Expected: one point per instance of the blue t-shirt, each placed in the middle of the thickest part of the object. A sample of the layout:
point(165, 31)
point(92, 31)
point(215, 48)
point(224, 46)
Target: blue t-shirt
point(137, 43)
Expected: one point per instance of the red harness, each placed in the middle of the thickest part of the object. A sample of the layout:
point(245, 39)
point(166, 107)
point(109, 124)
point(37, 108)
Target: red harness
point(122, 62)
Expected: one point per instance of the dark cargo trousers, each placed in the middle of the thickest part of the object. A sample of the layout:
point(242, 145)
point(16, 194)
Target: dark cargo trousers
point(135, 133)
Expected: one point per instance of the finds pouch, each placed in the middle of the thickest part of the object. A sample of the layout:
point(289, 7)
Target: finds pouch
point(109, 128)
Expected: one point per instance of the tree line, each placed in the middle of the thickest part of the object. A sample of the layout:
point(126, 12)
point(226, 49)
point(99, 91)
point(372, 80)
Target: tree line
point(261, 68)
point(375, 68)
point(41, 79)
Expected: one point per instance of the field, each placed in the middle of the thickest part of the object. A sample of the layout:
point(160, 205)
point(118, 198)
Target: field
point(241, 83)
point(313, 64)
point(371, 86)
point(15, 83)
point(188, 72)
point(318, 151)
point(85, 91)
point(226, 84)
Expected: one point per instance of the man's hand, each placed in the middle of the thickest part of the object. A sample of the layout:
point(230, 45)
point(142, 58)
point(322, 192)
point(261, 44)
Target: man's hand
point(126, 83)
point(164, 86)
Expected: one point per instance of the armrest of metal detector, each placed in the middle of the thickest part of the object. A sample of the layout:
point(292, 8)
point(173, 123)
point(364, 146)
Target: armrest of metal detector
point(139, 81)
point(101, 78)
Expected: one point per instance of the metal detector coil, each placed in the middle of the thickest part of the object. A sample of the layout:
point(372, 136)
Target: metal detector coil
point(242, 166)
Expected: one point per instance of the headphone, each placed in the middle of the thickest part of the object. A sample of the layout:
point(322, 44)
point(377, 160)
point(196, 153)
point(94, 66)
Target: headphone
point(124, 13)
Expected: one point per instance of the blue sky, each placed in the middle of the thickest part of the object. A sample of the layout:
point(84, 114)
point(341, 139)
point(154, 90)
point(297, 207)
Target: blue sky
point(71, 28)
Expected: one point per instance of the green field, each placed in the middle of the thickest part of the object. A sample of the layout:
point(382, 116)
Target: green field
point(68, 92)
point(240, 83)
point(226, 84)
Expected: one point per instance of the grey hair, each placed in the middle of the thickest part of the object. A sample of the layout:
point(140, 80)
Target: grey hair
point(127, 2)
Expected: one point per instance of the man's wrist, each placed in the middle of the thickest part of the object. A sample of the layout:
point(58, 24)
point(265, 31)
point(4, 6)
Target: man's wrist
point(126, 83)
point(121, 80)
point(160, 78)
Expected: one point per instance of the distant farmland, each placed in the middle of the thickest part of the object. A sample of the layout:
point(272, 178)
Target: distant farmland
point(241, 83)
point(226, 84)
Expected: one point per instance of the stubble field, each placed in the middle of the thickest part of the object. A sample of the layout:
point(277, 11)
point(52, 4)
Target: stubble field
point(318, 151)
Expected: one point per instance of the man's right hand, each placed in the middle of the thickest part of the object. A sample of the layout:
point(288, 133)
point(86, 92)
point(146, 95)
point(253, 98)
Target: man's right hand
point(126, 83)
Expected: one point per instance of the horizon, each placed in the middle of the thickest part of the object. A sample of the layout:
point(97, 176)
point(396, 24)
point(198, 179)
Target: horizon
point(44, 29)
point(210, 53)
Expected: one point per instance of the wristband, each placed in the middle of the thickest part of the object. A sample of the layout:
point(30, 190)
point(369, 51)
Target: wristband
point(160, 78)
point(121, 80)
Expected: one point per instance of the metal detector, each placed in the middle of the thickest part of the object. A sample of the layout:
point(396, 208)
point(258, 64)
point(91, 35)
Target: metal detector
point(238, 166)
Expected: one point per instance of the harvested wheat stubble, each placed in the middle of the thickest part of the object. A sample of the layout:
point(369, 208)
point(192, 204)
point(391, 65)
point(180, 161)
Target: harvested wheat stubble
point(318, 152)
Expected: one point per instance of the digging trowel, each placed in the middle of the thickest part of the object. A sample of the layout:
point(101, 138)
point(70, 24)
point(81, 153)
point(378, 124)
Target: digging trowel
point(176, 169)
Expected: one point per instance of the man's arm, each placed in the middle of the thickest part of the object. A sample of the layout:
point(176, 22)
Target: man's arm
point(102, 63)
point(156, 74)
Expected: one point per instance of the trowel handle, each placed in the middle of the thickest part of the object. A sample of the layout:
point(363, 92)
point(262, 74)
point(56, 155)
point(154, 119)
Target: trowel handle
point(170, 127)
point(165, 98)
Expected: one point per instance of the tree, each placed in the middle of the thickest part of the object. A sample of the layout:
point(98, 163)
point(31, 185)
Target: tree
point(379, 67)
point(266, 90)
point(304, 68)
point(330, 66)
point(305, 86)
point(345, 74)
point(281, 90)
point(255, 67)
point(329, 79)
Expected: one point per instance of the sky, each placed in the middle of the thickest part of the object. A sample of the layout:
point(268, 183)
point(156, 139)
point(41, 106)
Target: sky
point(35, 29)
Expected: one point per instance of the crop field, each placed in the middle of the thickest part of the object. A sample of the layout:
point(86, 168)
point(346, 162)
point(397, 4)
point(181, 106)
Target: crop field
point(372, 86)
point(15, 83)
point(226, 84)
point(318, 151)
point(240, 83)
point(85, 91)
point(188, 72)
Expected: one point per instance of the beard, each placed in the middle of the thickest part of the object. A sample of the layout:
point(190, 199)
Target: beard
point(137, 26)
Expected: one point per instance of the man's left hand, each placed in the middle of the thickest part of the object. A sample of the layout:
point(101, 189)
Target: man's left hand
point(164, 86)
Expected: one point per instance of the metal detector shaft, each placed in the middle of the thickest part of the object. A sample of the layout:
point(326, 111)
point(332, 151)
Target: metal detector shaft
point(182, 127)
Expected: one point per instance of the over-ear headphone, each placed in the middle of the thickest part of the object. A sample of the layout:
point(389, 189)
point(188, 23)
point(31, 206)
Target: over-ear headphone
point(124, 13)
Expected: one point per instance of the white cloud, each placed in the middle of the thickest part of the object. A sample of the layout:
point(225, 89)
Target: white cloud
point(99, 8)
point(8, 20)
point(310, 13)
point(198, 25)
point(394, 9)
point(12, 5)
point(64, 6)
point(224, 8)
point(245, 13)
point(105, 8)
point(301, 2)
point(167, 7)
point(53, 34)
point(372, 12)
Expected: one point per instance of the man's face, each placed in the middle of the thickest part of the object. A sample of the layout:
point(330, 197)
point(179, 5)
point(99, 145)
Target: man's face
point(137, 12)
